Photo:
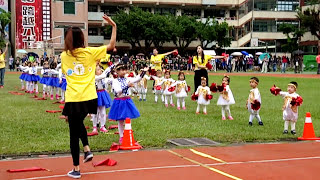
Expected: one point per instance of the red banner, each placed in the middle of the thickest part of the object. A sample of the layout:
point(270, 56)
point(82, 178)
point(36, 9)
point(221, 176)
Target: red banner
point(28, 23)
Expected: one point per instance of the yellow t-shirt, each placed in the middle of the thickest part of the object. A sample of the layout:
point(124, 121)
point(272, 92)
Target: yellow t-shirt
point(156, 61)
point(2, 60)
point(201, 62)
point(80, 72)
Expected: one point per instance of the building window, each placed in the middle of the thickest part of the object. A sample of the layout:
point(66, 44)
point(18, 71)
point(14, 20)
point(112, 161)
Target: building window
point(93, 31)
point(111, 10)
point(69, 7)
point(164, 11)
point(93, 8)
point(264, 26)
point(214, 13)
point(192, 12)
point(295, 23)
point(146, 9)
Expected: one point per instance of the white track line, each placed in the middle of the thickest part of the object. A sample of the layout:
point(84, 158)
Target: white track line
point(178, 166)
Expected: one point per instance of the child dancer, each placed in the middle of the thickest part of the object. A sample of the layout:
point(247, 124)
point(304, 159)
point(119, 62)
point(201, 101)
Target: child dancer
point(203, 93)
point(34, 78)
point(23, 76)
point(122, 105)
point(226, 98)
point(132, 90)
point(167, 81)
point(104, 100)
point(254, 101)
point(143, 87)
point(53, 81)
point(44, 80)
point(157, 86)
point(290, 107)
point(181, 90)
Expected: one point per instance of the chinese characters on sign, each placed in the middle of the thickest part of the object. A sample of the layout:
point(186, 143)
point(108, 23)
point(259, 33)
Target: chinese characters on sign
point(28, 24)
point(33, 19)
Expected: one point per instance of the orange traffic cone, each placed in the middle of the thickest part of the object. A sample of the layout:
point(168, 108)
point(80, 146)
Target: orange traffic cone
point(308, 132)
point(128, 141)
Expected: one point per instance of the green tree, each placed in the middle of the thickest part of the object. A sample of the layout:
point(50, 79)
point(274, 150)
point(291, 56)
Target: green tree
point(293, 35)
point(185, 31)
point(5, 19)
point(213, 31)
point(310, 19)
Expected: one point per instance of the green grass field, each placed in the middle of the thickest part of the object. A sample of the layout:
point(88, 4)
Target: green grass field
point(27, 128)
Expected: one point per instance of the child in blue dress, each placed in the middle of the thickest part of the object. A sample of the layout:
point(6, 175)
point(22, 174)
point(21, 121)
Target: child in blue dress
point(104, 100)
point(122, 105)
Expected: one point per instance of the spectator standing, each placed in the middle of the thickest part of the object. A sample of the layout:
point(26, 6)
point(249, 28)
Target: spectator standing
point(11, 63)
point(284, 64)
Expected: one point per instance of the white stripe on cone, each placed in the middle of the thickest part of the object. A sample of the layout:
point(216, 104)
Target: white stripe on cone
point(308, 120)
point(127, 126)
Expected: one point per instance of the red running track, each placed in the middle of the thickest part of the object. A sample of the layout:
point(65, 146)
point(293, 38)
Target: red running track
point(256, 161)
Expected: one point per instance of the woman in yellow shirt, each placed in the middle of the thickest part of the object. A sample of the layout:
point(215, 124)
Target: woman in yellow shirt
point(200, 61)
point(3, 65)
point(156, 59)
point(78, 63)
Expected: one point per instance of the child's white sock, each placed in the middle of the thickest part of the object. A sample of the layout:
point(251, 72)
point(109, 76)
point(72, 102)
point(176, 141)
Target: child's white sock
point(183, 102)
point(37, 87)
point(258, 117)
point(293, 126)
point(156, 98)
point(228, 110)
point(144, 96)
point(121, 127)
point(178, 102)
point(205, 109)
point(166, 100)
point(223, 111)
point(251, 117)
point(198, 108)
point(171, 100)
point(22, 84)
point(103, 115)
point(286, 125)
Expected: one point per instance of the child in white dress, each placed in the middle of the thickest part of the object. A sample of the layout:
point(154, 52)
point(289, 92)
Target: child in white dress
point(290, 107)
point(142, 88)
point(157, 86)
point(204, 96)
point(167, 81)
point(226, 98)
point(181, 90)
point(254, 101)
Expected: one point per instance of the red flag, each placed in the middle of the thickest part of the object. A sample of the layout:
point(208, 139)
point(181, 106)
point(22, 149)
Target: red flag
point(107, 162)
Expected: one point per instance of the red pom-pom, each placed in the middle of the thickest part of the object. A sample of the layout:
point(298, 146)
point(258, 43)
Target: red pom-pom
point(171, 89)
point(296, 101)
point(255, 105)
point(158, 88)
point(131, 74)
point(194, 97)
point(189, 89)
point(115, 75)
point(275, 90)
point(175, 53)
point(209, 66)
point(221, 87)
point(109, 63)
point(213, 87)
point(208, 97)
